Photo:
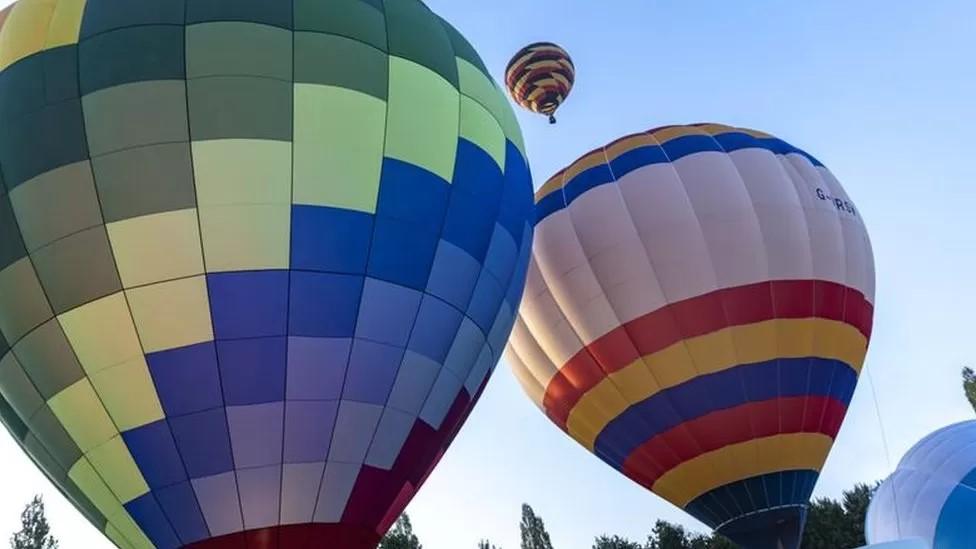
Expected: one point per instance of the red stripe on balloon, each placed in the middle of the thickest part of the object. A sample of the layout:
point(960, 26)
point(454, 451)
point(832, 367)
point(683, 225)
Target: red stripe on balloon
point(698, 316)
point(420, 454)
point(693, 438)
point(296, 536)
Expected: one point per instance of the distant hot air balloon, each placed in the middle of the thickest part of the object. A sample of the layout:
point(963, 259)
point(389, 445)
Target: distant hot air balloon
point(540, 77)
point(697, 310)
point(932, 493)
point(257, 260)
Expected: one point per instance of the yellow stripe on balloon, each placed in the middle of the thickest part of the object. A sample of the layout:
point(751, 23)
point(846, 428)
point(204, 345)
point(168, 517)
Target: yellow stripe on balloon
point(596, 158)
point(547, 48)
point(707, 354)
point(554, 184)
point(545, 86)
point(654, 138)
point(526, 80)
point(551, 64)
point(719, 129)
point(674, 132)
point(561, 79)
point(761, 456)
point(517, 64)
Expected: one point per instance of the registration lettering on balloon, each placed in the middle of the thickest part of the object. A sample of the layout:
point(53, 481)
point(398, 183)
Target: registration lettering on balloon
point(839, 203)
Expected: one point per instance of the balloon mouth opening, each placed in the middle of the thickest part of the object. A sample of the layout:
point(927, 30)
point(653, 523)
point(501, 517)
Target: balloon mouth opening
point(778, 528)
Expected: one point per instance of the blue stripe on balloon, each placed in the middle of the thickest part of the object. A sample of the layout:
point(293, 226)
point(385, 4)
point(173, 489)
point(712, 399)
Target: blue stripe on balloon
point(550, 204)
point(637, 158)
point(670, 151)
point(586, 180)
point(956, 527)
point(686, 145)
point(786, 377)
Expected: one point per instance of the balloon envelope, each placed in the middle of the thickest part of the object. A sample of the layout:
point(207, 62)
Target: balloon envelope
point(903, 544)
point(540, 77)
point(257, 259)
point(697, 311)
point(932, 493)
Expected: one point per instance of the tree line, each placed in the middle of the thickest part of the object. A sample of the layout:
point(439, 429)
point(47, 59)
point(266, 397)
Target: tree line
point(831, 524)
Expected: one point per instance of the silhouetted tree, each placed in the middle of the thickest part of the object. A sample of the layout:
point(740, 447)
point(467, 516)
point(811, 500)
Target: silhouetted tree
point(35, 532)
point(401, 536)
point(615, 542)
point(668, 536)
point(969, 385)
point(533, 530)
point(672, 536)
point(485, 544)
point(832, 524)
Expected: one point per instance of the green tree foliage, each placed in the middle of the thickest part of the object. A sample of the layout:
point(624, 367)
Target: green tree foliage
point(833, 524)
point(672, 536)
point(615, 542)
point(969, 385)
point(533, 530)
point(668, 536)
point(35, 532)
point(401, 536)
point(485, 544)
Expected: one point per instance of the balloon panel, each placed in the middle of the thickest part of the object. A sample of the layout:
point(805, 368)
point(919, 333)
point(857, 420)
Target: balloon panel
point(697, 310)
point(931, 494)
point(257, 259)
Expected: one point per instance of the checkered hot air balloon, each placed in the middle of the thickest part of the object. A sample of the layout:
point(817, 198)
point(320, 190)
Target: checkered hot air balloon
point(540, 77)
point(257, 260)
point(697, 311)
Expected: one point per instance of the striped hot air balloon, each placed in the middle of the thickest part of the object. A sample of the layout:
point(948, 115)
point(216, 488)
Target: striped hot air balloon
point(540, 77)
point(697, 311)
point(258, 259)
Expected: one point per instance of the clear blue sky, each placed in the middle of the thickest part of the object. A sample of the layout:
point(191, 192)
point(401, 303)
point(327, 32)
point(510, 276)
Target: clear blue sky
point(883, 92)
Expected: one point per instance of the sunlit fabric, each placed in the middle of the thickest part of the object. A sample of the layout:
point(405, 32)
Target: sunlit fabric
point(902, 544)
point(257, 260)
point(932, 493)
point(540, 77)
point(698, 308)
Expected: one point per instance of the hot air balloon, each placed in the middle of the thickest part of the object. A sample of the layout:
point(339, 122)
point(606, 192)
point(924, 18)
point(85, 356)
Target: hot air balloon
point(257, 260)
point(901, 544)
point(697, 310)
point(540, 77)
point(932, 494)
